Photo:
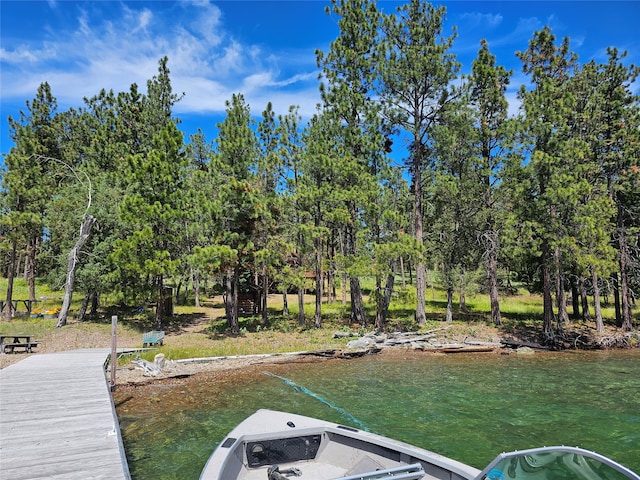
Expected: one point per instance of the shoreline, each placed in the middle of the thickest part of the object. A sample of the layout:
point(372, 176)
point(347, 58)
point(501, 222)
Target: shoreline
point(217, 368)
point(180, 370)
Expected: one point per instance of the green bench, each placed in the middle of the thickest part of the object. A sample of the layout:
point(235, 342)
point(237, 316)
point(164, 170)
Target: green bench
point(153, 338)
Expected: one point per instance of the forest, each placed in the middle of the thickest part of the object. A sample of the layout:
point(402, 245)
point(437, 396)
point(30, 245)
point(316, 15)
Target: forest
point(112, 198)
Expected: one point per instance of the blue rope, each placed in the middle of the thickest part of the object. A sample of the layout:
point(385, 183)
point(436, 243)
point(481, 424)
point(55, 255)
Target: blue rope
point(306, 391)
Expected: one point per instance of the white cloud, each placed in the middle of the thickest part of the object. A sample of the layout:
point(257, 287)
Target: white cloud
point(144, 19)
point(489, 20)
point(210, 95)
point(83, 22)
point(19, 55)
point(256, 81)
point(301, 77)
point(208, 23)
point(114, 45)
point(231, 61)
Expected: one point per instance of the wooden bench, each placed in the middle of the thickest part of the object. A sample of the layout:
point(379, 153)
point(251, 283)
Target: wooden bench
point(10, 347)
point(153, 338)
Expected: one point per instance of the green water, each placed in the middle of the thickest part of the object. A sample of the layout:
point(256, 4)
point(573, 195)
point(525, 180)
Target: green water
point(468, 407)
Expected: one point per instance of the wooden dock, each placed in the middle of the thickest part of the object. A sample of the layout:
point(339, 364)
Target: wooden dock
point(57, 419)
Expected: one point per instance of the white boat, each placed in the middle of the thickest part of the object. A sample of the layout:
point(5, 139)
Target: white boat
point(271, 445)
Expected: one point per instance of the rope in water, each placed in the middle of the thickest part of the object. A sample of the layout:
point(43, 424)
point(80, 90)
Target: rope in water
point(308, 392)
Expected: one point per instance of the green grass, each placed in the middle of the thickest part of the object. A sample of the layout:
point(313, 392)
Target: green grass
point(45, 297)
point(35, 328)
point(279, 333)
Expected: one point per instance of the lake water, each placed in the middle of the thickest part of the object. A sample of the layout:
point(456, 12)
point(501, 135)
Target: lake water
point(466, 406)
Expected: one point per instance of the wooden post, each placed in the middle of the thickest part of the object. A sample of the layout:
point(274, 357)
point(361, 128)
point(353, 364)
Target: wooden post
point(114, 358)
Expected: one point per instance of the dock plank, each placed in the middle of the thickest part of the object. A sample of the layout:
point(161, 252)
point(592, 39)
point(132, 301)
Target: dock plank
point(57, 419)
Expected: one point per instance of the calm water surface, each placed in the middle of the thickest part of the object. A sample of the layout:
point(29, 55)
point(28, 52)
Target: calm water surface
point(466, 406)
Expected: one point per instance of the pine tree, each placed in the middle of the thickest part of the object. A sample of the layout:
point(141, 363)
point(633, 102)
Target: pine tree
point(202, 211)
point(28, 183)
point(488, 86)
point(416, 70)
point(236, 147)
point(153, 208)
point(290, 152)
point(456, 197)
point(546, 106)
point(350, 73)
point(617, 146)
point(270, 174)
point(152, 176)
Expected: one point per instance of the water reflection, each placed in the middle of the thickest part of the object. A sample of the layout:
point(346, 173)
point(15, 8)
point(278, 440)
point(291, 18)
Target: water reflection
point(469, 407)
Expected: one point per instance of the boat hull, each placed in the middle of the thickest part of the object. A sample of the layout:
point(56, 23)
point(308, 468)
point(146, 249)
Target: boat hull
point(321, 450)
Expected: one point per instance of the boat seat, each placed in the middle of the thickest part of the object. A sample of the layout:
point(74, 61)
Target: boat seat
point(405, 472)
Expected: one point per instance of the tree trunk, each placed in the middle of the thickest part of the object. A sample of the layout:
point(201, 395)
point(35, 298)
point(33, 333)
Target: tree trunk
point(596, 302)
point(178, 288)
point(72, 261)
point(8, 306)
point(344, 289)
point(563, 317)
point(421, 314)
point(547, 300)
point(83, 308)
point(331, 274)
point(463, 300)
point(24, 261)
point(575, 298)
point(301, 318)
point(159, 281)
point(449, 315)
point(95, 303)
point(410, 270)
point(625, 293)
point(357, 306)
point(31, 262)
point(421, 286)
point(331, 286)
point(317, 246)
point(196, 288)
point(379, 323)
point(616, 298)
point(492, 270)
point(226, 297)
point(584, 299)
point(234, 324)
point(285, 303)
point(343, 274)
point(386, 300)
point(317, 317)
point(509, 285)
point(265, 295)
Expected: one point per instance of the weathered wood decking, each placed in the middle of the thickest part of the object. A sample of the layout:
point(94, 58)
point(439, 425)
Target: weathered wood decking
point(57, 419)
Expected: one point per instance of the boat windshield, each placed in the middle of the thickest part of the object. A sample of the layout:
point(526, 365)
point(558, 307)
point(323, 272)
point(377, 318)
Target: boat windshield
point(555, 463)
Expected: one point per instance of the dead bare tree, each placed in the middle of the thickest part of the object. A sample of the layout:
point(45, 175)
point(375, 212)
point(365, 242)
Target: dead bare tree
point(72, 260)
point(85, 230)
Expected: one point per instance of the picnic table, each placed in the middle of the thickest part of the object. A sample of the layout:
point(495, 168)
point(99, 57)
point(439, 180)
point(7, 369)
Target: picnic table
point(8, 343)
point(13, 306)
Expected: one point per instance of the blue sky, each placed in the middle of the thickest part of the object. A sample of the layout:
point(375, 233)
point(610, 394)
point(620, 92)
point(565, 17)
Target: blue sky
point(262, 49)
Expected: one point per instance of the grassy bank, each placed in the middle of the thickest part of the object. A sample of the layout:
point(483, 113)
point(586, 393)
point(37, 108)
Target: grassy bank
point(201, 332)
